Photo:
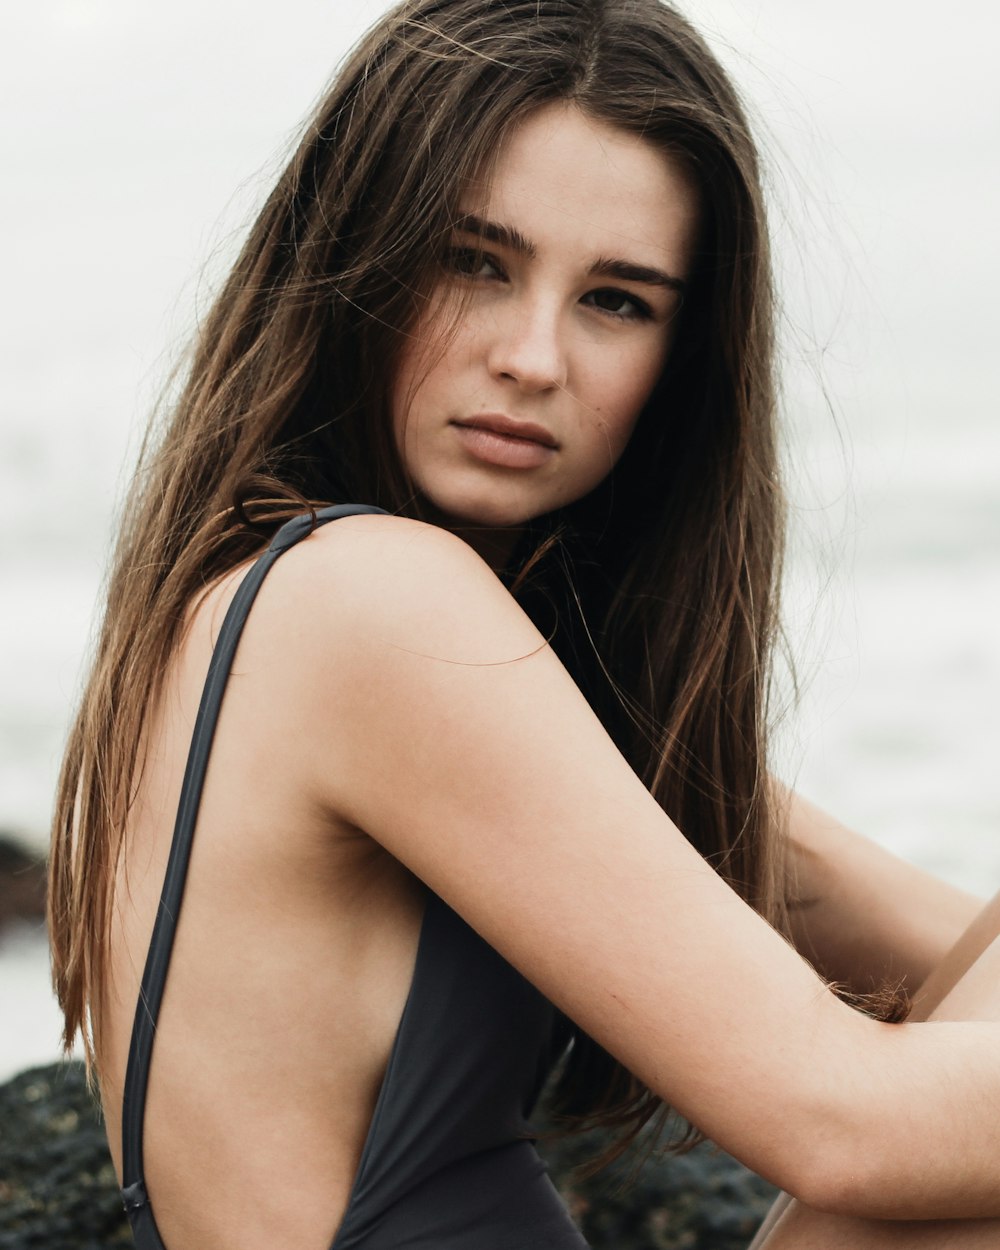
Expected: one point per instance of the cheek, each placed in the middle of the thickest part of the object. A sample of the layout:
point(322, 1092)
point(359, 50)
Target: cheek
point(430, 363)
point(626, 387)
point(401, 414)
point(412, 390)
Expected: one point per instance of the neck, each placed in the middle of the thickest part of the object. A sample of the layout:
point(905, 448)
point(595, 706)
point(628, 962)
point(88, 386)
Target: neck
point(496, 546)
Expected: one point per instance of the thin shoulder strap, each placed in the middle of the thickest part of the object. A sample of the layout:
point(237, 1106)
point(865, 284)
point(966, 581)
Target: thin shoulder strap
point(161, 944)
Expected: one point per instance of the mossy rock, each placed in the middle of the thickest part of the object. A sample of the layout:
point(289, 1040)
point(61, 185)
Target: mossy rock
point(57, 1186)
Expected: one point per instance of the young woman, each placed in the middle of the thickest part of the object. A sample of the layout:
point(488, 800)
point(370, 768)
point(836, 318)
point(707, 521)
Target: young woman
point(482, 429)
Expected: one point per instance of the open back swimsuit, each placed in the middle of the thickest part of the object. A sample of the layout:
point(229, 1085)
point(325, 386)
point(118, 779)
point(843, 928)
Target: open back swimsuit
point(448, 1163)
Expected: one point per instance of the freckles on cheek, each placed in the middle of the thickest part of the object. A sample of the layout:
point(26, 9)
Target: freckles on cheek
point(644, 376)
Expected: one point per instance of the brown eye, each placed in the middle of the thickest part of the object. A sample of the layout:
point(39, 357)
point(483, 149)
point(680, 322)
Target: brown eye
point(471, 263)
point(618, 304)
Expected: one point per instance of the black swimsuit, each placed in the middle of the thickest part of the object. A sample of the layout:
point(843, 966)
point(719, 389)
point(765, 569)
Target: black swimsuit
point(448, 1163)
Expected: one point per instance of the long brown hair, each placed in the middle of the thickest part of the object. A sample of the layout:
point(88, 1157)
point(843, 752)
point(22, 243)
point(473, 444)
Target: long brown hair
point(663, 581)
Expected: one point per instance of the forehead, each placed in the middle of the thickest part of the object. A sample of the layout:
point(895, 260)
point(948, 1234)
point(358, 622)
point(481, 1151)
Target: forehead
point(568, 181)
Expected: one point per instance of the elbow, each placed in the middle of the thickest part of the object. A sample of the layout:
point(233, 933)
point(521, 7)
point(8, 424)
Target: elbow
point(844, 1153)
point(841, 1179)
point(831, 1186)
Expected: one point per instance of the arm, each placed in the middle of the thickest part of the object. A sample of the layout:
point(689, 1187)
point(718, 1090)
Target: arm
point(443, 726)
point(862, 916)
point(963, 986)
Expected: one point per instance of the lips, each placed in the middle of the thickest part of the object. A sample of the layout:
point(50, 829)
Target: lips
point(509, 427)
point(493, 438)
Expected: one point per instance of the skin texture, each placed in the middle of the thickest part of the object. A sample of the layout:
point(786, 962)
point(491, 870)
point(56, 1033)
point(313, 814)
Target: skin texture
point(546, 333)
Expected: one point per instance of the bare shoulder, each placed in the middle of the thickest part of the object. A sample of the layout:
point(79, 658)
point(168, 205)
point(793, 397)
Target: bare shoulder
point(378, 629)
point(370, 581)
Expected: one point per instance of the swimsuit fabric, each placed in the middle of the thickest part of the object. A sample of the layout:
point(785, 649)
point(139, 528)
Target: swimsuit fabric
point(448, 1163)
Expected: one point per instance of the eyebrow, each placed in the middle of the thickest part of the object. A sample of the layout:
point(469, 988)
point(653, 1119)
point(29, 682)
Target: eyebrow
point(605, 266)
point(505, 236)
point(627, 271)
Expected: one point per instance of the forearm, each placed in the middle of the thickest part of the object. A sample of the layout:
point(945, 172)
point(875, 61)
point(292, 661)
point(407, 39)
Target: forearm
point(863, 916)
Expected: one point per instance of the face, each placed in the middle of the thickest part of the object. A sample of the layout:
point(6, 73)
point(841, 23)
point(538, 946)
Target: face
point(552, 322)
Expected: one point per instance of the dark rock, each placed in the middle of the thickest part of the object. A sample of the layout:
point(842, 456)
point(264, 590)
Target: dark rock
point(22, 883)
point(649, 1200)
point(58, 1188)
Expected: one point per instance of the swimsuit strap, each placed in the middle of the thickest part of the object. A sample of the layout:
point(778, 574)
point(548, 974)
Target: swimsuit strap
point(161, 944)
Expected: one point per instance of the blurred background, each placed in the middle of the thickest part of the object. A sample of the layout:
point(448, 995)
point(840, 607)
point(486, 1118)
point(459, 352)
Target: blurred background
point(136, 142)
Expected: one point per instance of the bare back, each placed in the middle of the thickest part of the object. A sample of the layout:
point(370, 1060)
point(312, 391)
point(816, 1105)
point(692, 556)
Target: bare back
point(292, 961)
point(340, 1050)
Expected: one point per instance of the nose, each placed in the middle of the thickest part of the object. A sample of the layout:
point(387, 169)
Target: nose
point(528, 346)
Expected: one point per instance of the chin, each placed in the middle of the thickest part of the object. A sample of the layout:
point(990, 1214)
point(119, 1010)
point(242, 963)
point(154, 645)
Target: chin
point(487, 511)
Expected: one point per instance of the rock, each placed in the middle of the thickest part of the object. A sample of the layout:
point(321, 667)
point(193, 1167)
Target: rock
point(58, 1188)
point(57, 1185)
point(703, 1200)
point(22, 883)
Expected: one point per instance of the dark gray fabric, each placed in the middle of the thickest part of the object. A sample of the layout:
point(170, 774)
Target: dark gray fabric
point(448, 1163)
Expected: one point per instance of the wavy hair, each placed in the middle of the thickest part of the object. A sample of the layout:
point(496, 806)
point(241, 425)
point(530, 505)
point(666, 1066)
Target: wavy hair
point(659, 589)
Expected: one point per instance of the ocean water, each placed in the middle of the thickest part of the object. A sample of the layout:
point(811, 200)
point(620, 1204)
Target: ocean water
point(135, 145)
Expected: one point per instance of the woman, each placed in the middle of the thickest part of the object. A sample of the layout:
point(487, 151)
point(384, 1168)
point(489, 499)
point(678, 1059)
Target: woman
point(514, 283)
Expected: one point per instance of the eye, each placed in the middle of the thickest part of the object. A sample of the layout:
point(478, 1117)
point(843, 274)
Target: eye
point(469, 262)
point(619, 304)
